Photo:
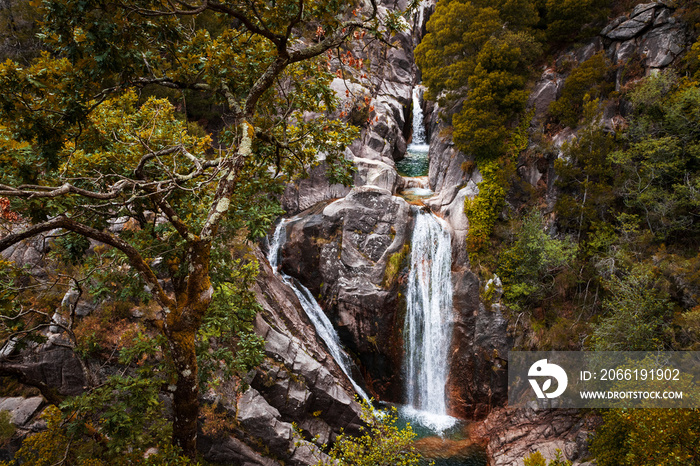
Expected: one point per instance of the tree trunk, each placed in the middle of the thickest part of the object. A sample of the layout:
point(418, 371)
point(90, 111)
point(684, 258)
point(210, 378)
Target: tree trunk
point(181, 326)
point(186, 395)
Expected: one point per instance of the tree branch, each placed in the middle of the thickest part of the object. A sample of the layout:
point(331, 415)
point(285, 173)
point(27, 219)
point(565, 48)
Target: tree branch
point(102, 236)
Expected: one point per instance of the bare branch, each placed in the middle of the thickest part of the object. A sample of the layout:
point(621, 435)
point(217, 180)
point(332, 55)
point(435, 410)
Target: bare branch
point(138, 171)
point(31, 191)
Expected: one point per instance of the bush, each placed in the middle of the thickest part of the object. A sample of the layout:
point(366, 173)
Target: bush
point(635, 314)
point(648, 437)
point(528, 267)
point(383, 443)
point(587, 82)
point(7, 429)
point(537, 459)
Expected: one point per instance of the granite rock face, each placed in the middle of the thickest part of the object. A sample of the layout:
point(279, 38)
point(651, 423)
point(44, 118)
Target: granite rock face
point(340, 252)
point(299, 383)
point(650, 37)
point(514, 433)
point(378, 100)
point(478, 379)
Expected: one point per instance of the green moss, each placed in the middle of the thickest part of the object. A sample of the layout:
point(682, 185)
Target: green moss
point(396, 263)
point(7, 429)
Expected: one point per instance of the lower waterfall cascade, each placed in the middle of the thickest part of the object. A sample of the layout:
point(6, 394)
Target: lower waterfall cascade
point(313, 310)
point(428, 324)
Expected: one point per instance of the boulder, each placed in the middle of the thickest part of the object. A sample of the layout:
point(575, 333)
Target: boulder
point(48, 367)
point(662, 45)
point(375, 173)
point(641, 18)
point(340, 252)
point(21, 409)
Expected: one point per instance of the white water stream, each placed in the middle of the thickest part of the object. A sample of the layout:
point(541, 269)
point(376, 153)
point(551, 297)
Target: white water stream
point(324, 328)
point(415, 162)
point(428, 324)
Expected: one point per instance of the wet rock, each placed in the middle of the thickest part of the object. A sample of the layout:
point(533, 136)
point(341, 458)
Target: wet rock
point(478, 375)
point(298, 383)
point(340, 253)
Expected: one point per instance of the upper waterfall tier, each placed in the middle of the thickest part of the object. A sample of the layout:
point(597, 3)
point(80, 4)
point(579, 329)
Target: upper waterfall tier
point(415, 163)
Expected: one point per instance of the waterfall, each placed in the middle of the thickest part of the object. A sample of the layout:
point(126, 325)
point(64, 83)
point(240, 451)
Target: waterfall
point(418, 143)
point(428, 324)
point(415, 162)
point(323, 326)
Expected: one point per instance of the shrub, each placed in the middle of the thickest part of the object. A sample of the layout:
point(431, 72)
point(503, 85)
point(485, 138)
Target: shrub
point(587, 82)
point(528, 267)
point(537, 459)
point(635, 313)
point(383, 443)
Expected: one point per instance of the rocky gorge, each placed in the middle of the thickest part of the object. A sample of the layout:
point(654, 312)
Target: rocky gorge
point(351, 248)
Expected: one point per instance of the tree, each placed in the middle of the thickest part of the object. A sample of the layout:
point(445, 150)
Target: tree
point(586, 178)
point(565, 19)
point(585, 83)
point(648, 437)
point(84, 147)
point(528, 267)
point(496, 95)
point(660, 162)
point(458, 30)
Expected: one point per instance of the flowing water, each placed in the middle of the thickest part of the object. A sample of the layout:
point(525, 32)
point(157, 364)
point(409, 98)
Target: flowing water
point(415, 163)
point(428, 324)
point(323, 326)
point(443, 440)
